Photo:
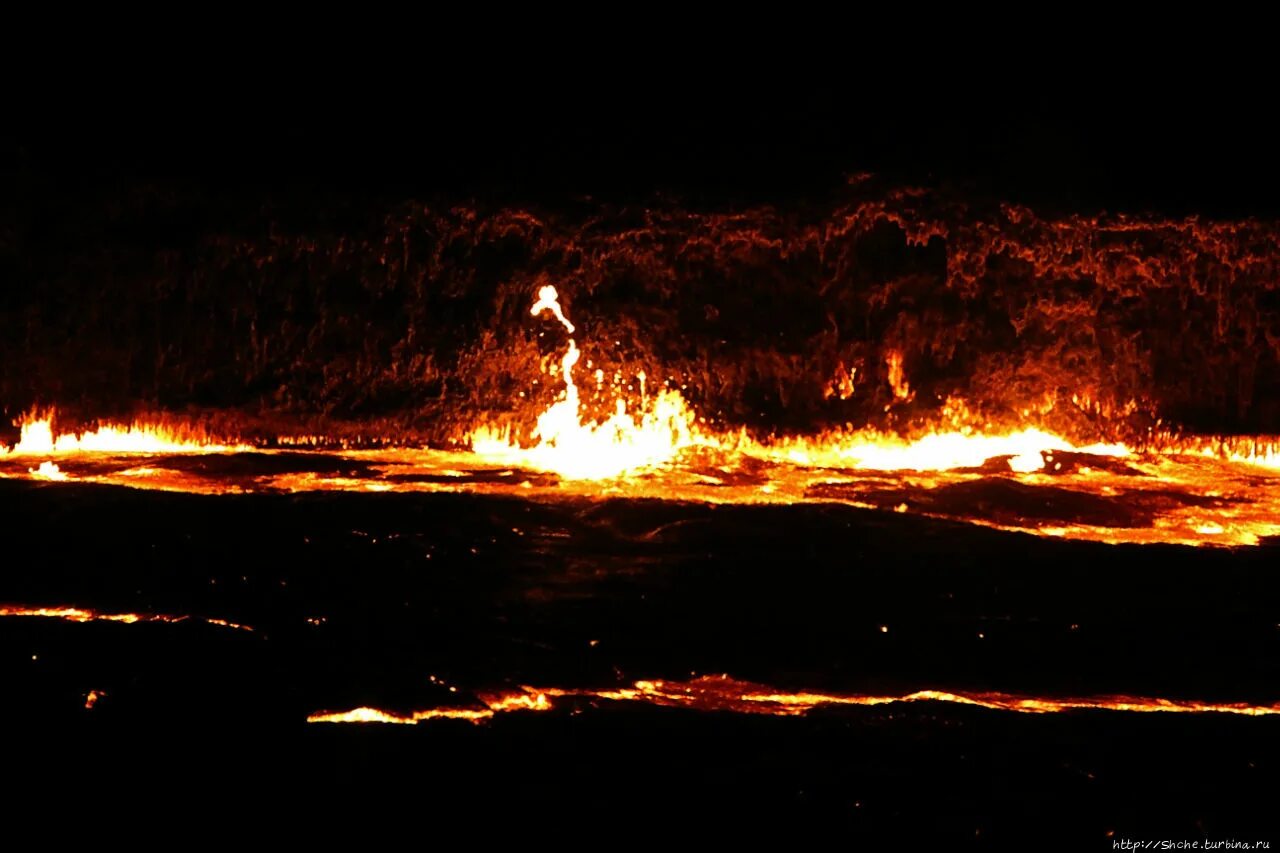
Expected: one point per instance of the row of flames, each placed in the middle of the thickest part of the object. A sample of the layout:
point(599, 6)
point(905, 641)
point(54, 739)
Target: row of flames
point(666, 426)
point(722, 693)
point(655, 433)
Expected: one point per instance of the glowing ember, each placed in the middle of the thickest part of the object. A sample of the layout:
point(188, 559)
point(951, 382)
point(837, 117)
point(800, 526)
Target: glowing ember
point(92, 697)
point(721, 693)
point(76, 614)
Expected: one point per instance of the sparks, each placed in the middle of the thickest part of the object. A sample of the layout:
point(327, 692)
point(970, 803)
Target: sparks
point(495, 704)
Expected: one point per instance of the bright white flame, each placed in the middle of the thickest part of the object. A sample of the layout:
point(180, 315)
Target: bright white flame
point(593, 451)
point(549, 300)
point(47, 471)
point(624, 442)
point(941, 451)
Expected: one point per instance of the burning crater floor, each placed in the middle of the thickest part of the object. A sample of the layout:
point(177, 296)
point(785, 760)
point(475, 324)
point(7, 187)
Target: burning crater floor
point(616, 654)
point(1184, 497)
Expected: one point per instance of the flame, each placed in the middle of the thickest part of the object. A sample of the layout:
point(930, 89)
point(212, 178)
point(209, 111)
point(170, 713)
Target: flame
point(722, 693)
point(91, 698)
point(939, 451)
point(623, 444)
point(48, 470)
point(1217, 491)
point(571, 448)
point(361, 715)
point(549, 300)
point(37, 439)
point(498, 704)
point(897, 378)
point(223, 623)
point(78, 614)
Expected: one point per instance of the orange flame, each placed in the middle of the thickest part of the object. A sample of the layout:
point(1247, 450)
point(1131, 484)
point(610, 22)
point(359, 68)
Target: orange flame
point(78, 614)
point(897, 378)
point(722, 693)
point(37, 439)
point(621, 445)
point(498, 704)
point(592, 451)
point(655, 446)
point(549, 300)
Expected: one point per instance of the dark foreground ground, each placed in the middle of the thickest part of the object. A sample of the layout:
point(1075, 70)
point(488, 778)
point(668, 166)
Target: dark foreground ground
point(362, 599)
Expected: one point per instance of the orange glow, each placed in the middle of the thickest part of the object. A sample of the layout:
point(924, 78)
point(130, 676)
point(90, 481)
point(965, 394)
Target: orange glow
point(48, 471)
point(939, 451)
point(623, 445)
point(549, 300)
point(897, 378)
point(37, 439)
point(223, 623)
point(722, 693)
point(91, 698)
point(1008, 475)
point(495, 704)
point(77, 614)
point(1232, 496)
point(361, 715)
point(592, 451)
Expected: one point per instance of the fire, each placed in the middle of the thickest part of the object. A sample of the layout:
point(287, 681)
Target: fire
point(623, 444)
point(37, 439)
point(722, 693)
point(361, 715)
point(897, 378)
point(549, 300)
point(498, 704)
point(48, 470)
point(1197, 491)
point(939, 451)
point(593, 451)
point(78, 614)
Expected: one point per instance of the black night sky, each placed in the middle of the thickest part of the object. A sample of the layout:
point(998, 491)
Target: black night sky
point(1060, 127)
